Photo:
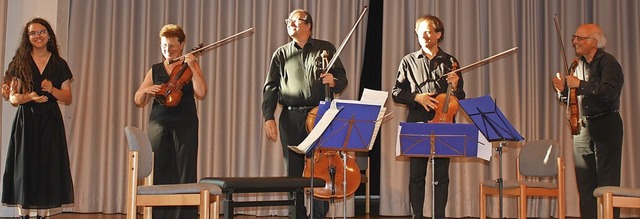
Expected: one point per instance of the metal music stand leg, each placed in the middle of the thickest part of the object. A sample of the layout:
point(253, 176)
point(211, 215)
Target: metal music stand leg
point(344, 184)
point(500, 180)
point(433, 186)
point(311, 186)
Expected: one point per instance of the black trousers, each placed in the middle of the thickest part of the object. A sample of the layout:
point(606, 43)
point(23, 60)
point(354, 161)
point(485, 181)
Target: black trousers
point(597, 153)
point(417, 184)
point(175, 147)
point(293, 132)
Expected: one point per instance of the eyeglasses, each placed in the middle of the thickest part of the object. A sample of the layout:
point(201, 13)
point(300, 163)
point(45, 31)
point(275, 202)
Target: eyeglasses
point(297, 21)
point(164, 46)
point(580, 38)
point(38, 33)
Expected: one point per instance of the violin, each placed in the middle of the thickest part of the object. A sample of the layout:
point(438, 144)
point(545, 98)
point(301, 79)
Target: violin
point(170, 93)
point(573, 110)
point(447, 104)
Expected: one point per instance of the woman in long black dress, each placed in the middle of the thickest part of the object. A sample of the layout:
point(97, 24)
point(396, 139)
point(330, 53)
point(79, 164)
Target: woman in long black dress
point(37, 173)
point(173, 131)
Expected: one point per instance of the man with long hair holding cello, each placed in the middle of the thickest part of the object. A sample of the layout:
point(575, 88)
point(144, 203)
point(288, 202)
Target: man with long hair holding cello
point(597, 148)
point(295, 81)
point(421, 77)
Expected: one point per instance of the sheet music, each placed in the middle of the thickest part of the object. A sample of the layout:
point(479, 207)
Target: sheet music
point(484, 147)
point(317, 130)
point(377, 127)
point(398, 147)
point(374, 97)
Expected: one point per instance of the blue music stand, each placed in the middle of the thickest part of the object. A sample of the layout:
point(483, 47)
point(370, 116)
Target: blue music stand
point(438, 140)
point(486, 115)
point(353, 129)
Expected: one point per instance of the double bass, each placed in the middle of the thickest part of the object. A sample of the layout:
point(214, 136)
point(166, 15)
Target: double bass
point(170, 93)
point(338, 169)
point(573, 110)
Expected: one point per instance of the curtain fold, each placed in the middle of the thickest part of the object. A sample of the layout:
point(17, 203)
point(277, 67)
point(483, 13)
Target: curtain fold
point(112, 44)
point(520, 85)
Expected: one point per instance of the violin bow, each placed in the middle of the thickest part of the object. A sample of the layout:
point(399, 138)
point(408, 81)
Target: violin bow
point(484, 61)
point(219, 43)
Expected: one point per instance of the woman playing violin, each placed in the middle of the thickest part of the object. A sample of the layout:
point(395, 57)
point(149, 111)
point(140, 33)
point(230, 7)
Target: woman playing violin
point(422, 75)
point(173, 131)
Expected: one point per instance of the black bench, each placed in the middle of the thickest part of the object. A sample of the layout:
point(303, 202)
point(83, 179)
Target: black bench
point(293, 185)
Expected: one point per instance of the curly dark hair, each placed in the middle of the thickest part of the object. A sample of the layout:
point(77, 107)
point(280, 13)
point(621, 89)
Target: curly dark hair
point(20, 66)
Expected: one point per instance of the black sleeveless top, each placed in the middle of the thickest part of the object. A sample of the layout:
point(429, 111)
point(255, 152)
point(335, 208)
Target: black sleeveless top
point(184, 111)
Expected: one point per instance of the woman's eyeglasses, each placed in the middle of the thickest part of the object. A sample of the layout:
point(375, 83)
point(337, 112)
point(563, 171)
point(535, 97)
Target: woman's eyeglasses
point(38, 33)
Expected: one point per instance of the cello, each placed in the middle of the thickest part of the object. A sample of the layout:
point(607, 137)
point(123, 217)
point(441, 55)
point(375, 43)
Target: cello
point(573, 110)
point(170, 93)
point(341, 178)
point(338, 169)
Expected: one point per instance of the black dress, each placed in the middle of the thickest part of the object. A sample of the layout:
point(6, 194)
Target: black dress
point(37, 174)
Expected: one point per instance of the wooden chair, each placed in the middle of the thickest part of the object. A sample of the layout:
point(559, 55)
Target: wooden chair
point(363, 161)
point(206, 196)
point(610, 197)
point(537, 160)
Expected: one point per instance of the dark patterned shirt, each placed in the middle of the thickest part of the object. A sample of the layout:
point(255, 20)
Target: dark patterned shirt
point(419, 74)
point(294, 76)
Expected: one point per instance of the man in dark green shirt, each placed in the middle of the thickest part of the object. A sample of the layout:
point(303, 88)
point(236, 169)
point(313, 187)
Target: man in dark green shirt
point(296, 81)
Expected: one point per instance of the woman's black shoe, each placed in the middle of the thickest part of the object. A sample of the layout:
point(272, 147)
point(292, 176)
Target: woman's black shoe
point(24, 217)
point(39, 217)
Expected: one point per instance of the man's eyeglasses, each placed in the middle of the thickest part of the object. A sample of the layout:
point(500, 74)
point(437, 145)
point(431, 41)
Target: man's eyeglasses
point(297, 21)
point(580, 38)
point(38, 33)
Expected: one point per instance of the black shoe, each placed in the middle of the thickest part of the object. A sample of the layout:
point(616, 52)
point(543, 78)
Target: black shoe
point(24, 217)
point(40, 217)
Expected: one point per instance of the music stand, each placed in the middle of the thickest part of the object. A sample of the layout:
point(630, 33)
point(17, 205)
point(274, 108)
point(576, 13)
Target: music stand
point(439, 140)
point(486, 115)
point(354, 128)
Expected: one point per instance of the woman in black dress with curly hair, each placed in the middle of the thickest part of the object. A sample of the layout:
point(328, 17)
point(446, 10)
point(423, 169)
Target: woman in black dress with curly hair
point(37, 173)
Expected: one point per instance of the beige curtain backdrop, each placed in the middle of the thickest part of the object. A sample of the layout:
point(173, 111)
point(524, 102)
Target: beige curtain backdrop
point(520, 84)
point(111, 45)
point(114, 43)
point(3, 24)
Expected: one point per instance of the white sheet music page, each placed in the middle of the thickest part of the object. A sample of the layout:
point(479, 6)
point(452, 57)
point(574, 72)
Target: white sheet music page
point(317, 130)
point(398, 149)
point(374, 97)
point(484, 147)
point(377, 126)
